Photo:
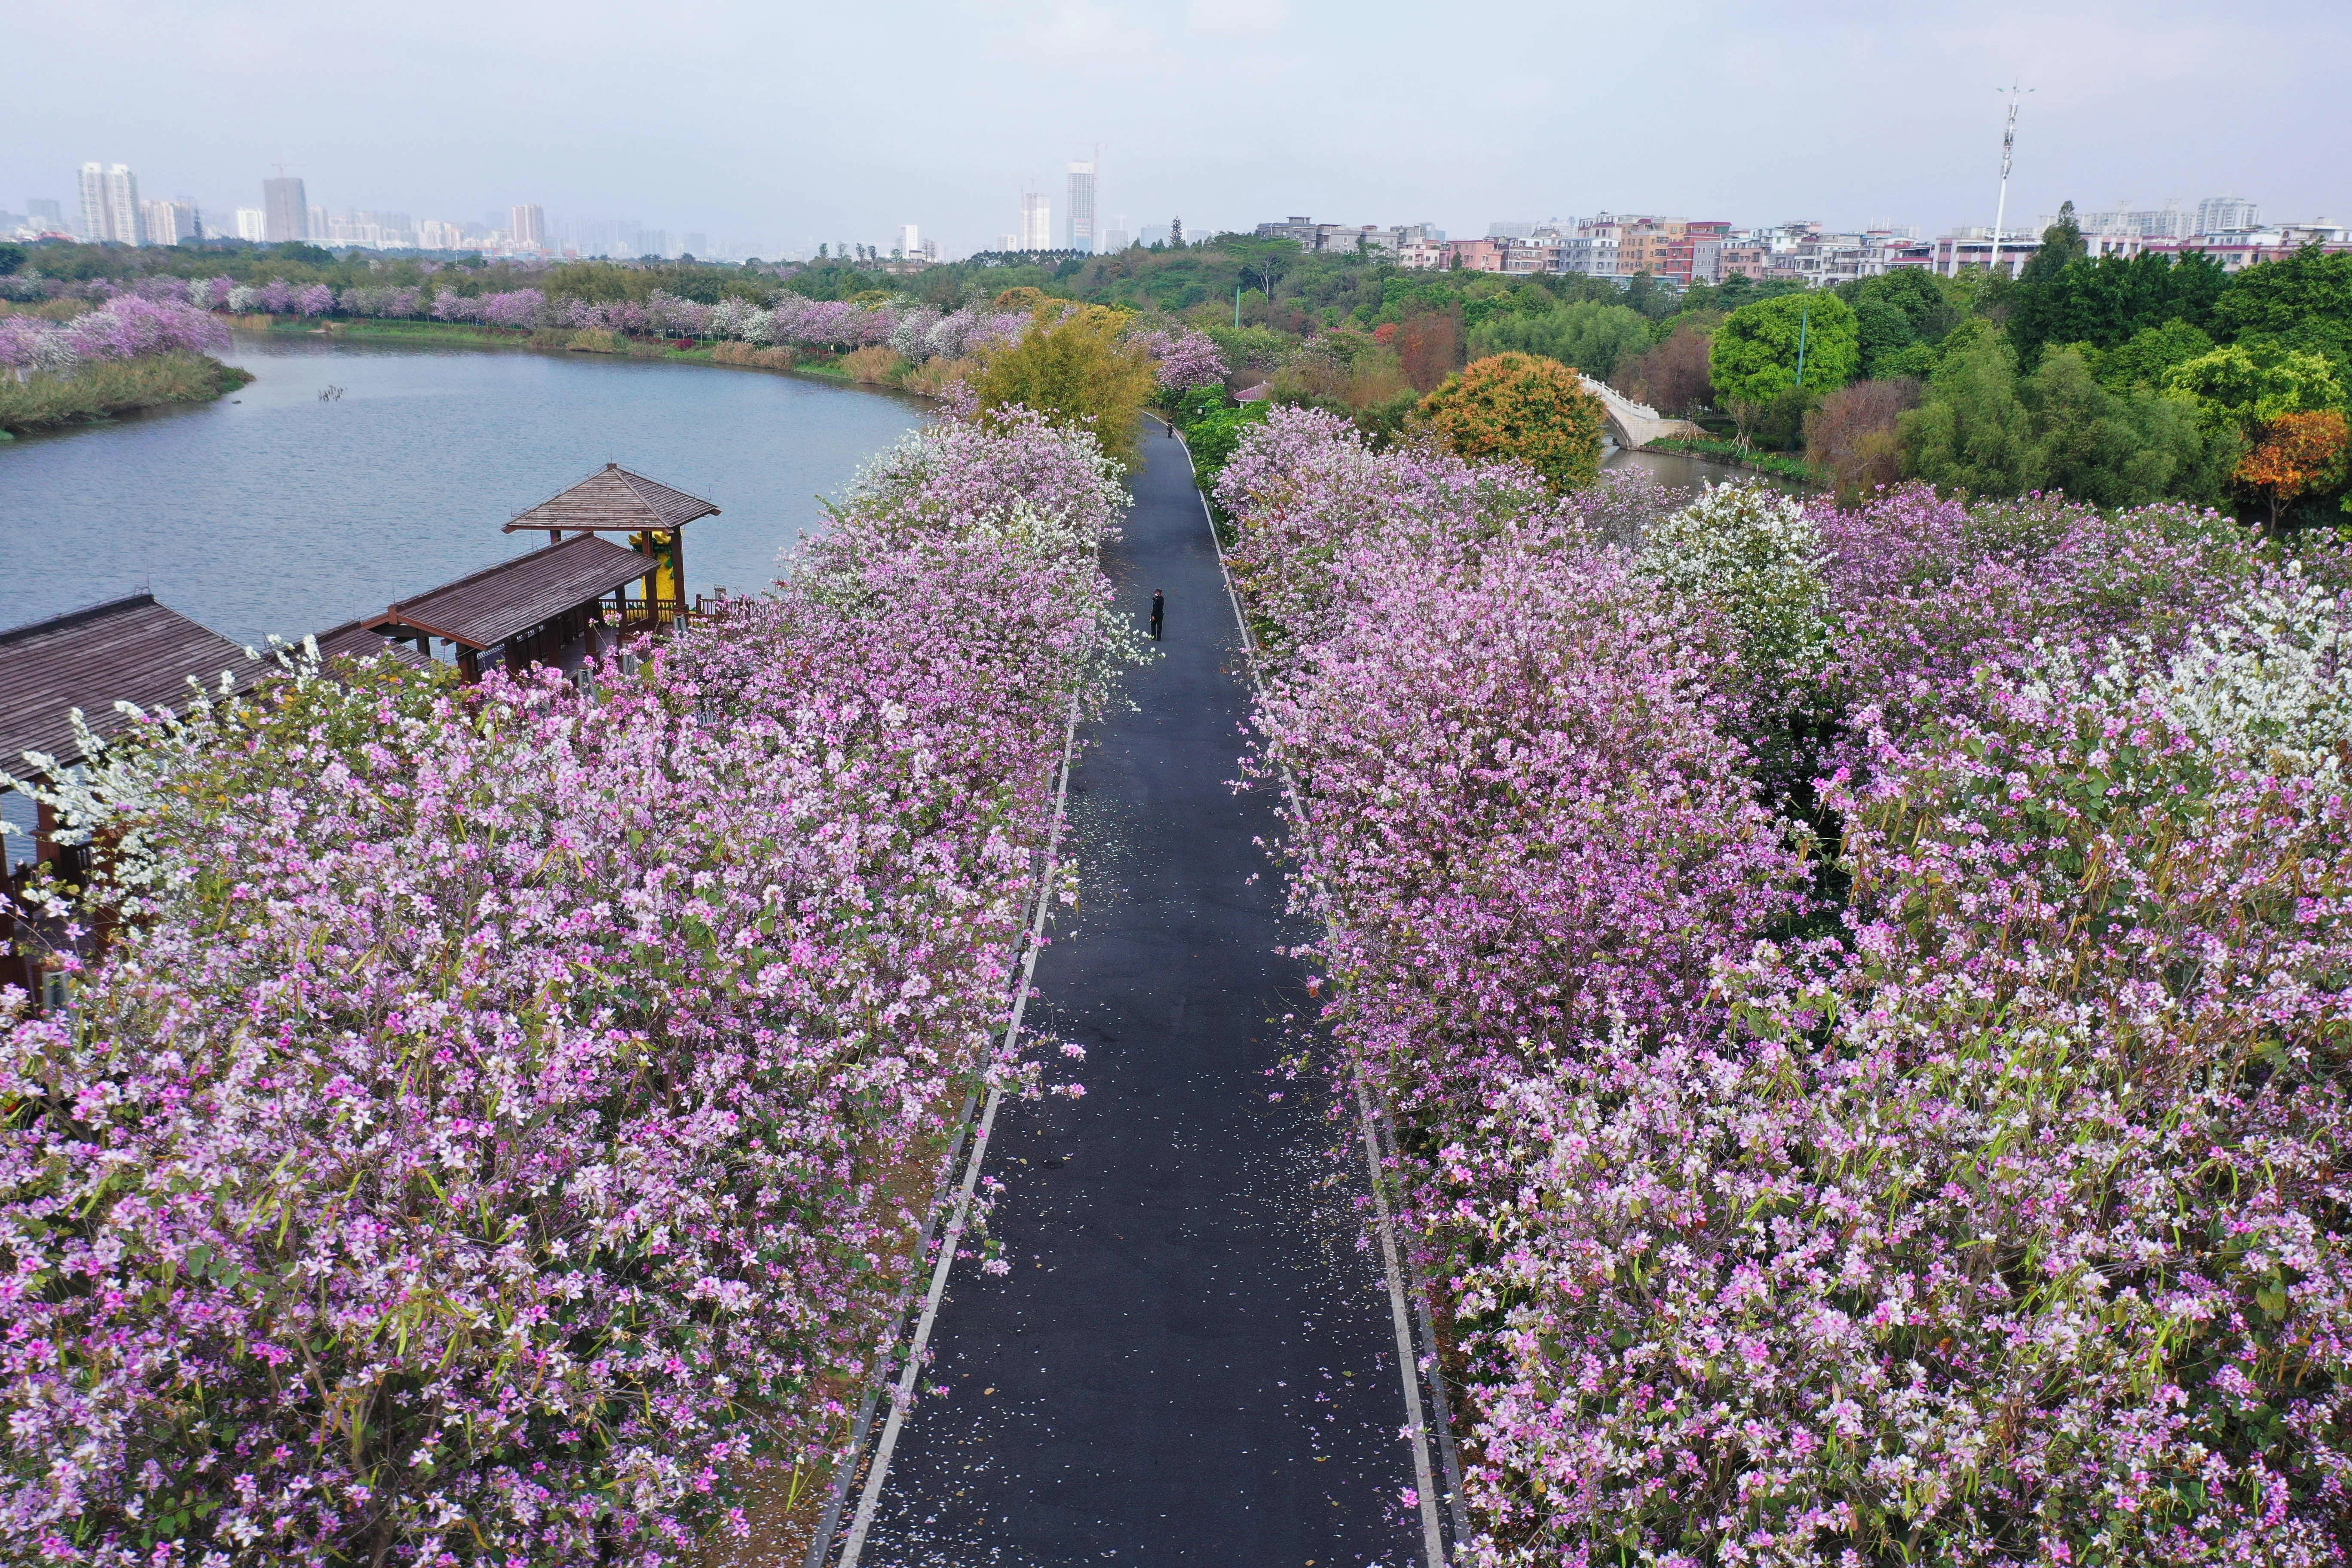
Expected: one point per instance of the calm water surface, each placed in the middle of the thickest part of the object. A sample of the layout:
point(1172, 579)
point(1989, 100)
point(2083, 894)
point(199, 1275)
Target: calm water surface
point(1675, 469)
point(281, 512)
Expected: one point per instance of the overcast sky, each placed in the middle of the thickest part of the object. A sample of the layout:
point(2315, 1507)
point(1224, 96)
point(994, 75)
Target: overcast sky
point(791, 124)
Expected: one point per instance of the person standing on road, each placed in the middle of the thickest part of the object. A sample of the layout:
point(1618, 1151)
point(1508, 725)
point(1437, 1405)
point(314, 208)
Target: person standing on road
point(1159, 604)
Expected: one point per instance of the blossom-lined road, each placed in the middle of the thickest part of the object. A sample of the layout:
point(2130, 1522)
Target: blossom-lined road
point(1191, 1360)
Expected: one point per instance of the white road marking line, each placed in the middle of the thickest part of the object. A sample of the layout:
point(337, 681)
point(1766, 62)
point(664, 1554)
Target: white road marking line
point(903, 1397)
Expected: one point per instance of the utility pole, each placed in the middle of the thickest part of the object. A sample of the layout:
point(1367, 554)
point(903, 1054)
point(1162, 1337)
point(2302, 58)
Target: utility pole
point(2008, 152)
point(1805, 321)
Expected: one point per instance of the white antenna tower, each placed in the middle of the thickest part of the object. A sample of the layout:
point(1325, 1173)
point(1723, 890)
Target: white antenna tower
point(2008, 153)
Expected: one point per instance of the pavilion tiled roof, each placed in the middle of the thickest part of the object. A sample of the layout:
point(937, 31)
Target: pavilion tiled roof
point(356, 639)
point(614, 500)
point(129, 649)
point(503, 600)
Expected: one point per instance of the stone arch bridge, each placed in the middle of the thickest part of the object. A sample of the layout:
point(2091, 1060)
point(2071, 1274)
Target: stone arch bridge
point(1632, 424)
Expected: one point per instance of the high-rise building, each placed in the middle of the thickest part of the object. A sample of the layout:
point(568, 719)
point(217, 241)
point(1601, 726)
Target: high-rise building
point(286, 210)
point(698, 245)
point(168, 223)
point(249, 223)
point(910, 241)
point(110, 204)
point(2227, 214)
point(47, 216)
point(1036, 222)
point(1115, 237)
point(1008, 242)
point(527, 227)
point(1082, 206)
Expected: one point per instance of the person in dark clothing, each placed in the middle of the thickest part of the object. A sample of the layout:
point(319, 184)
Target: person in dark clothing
point(1159, 604)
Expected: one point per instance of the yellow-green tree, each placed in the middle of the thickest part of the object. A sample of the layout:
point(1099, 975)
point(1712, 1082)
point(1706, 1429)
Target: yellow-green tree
point(1075, 366)
point(1524, 406)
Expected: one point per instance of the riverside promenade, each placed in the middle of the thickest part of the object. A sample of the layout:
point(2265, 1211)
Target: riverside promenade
point(1192, 1360)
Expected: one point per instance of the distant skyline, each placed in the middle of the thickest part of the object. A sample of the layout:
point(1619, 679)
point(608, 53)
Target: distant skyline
point(796, 125)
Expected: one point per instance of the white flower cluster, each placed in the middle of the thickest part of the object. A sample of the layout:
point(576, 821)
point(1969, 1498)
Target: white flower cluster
point(2274, 676)
point(1753, 557)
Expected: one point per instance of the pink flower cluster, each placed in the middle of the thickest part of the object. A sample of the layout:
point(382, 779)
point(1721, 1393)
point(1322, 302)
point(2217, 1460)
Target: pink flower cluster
point(1969, 1185)
point(127, 327)
point(513, 308)
point(1186, 358)
point(487, 1138)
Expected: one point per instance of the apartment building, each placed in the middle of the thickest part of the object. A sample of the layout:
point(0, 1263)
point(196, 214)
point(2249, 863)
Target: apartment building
point(110, 204)
point(168, 223)
point(1504, 254)
point(1354, 238)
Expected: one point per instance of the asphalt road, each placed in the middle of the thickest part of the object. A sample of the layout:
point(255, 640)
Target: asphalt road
point(1191, 1360)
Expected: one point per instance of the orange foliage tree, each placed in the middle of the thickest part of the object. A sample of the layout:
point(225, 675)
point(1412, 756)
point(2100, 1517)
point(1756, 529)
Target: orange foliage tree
point(2296, 455)
point(1524, 406)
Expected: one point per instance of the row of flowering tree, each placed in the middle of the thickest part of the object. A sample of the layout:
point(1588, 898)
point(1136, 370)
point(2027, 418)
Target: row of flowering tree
point(125, 328)
point(1867, 997)
point(1183, 356)
point(487, 1135)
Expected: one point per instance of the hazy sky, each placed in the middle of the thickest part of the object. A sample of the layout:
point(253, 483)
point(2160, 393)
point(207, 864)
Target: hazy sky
point(791, 124)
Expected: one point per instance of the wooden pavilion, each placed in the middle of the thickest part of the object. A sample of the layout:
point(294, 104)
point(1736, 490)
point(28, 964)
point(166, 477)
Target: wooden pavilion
point(551, 606)
point(651, 514)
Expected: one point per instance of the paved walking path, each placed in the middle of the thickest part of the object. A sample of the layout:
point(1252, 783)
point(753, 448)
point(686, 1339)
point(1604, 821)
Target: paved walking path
point(1192, 1360)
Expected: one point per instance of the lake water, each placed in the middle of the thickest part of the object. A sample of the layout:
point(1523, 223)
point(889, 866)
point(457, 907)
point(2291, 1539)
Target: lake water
point(1689, 473)
point(279, 512)
point(282, 512)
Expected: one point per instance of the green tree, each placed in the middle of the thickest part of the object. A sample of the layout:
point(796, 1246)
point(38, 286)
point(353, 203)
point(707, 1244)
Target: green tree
point(1521, 405)
point(1734, 291)
point(2116, 449)
point(1756, 353)
point(2108, 302)
point(1643, 293)
point(1986, 430)
point(2300, 301)
point(2062, 245)
point(12, 256)
point(1919, 294)
point(1594, 338)
point(1076, 367)
point(2150, 352)
point(2244, 388)
point(1883, 332)
point(1974, 433)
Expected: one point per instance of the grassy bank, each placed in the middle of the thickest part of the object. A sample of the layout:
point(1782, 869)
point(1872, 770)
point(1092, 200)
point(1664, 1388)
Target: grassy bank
point(1781, 465)
point(104, 388)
